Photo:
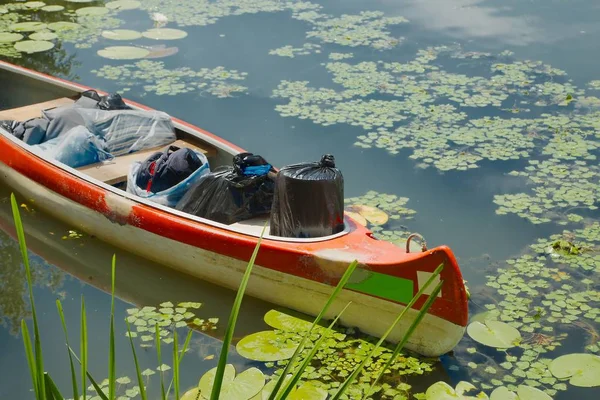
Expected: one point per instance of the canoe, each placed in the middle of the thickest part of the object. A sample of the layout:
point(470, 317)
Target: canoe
point(296, 273)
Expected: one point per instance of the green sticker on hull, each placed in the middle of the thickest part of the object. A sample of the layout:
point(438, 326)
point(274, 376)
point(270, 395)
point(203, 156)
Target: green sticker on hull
point(381, 285)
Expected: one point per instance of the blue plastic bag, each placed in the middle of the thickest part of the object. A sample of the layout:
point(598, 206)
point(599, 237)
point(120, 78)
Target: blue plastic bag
point(76, 148)
point(168, 197)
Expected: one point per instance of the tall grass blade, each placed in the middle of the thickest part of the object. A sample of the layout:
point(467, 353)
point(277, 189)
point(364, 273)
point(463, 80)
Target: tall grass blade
point(298, 374)
point(39, 362)
point(30, 357)
point(408, 334)
point(176, 364)
point(137, 365)
point(99, 391)
point(158, 356)
point(111, 351)
point(52, 389)
point(344, 386)
point(181, 354)
point(83, 346)
point(64, 325)
point(218, 382)
point(300, 347)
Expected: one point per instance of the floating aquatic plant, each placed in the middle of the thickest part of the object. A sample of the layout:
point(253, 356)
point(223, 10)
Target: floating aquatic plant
point(168, 317)
point(164, 34)
point(123, 5)
point(581, 369)
point(123, 52)
point(160, 80)
point(33, 46)
point(121, 34)
point(291, 52)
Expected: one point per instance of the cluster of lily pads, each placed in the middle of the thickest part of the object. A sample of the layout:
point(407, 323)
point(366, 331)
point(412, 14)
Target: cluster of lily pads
point(291, 52)
point(168, 317)
point(375, 210)
point(334, 361)
point(159, 80)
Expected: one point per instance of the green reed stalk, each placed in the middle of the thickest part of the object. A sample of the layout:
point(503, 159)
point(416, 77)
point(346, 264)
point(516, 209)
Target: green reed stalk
point(52, 391)
point(300, 347)
point(137, 365)
point(64, 326)
point(176, 364)
point(37, 372)
point(342, 389)
point(111, 351)
point(83, 345)
point(99, 391)
point(298, 374)
point(218, 381)
point(181, 354)
point(158, 356)
point(408, 334)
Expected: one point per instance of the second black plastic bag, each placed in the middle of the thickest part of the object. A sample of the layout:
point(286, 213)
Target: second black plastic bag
point(232, 194)
point(309, 200)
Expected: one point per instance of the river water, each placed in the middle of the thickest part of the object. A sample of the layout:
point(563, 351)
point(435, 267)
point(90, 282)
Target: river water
point(436, 101)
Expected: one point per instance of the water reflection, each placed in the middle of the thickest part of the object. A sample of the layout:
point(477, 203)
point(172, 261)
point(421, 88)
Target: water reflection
point(14, 304)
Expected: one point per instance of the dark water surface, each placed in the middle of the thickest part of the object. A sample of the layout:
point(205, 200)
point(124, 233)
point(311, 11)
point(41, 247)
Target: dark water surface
point(453, 207)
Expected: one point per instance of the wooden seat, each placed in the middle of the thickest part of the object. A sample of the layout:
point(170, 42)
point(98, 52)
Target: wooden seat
point(115, 171)
point(33, 110)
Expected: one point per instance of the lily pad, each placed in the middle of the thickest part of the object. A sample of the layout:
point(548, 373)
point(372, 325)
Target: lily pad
point(34, 4)
point(52, 8)
point(356, 217)
point(285, 322)
point(8, 37)
point(33, 46)
point(28, 26)
point(442, 391)
point(372, 214)
point(494, 334)
point(92, 11)
point(502, 393)
point(265, 346)
point(80, 1)
point(123, 52)
point(45, 35)
point(121, 34)
point(583, 369)
point(123, 5)
point(63, 26)
point(242, 387)
point(165, 34)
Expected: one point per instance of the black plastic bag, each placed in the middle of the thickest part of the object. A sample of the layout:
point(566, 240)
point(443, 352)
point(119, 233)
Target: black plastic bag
point(308, 200)
point(112, 101)
point(232, 194)
point(165, 169)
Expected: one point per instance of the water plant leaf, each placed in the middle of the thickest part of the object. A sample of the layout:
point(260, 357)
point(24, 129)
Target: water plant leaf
point(34, 4)
point(121, 34)
point(372, 214)
point(92, 11)
point(9, 37)
point(502, 393)
point(356, 217)
point(442, 391)
point(582, 369)
point(265, 346)
point(123, 5)
point(63, 26)
point(28, 26)
point(206, 381)
point(494, 334)
point(53, 8)
point(33, 46)
point(245, 386)
point(164, 34)
point(44, 35)
point(123, 52)
point(286, 322)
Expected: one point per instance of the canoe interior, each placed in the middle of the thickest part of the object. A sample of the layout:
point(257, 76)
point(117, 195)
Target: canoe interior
point(25, 98)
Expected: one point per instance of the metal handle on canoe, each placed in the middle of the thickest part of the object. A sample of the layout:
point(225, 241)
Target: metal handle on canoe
point(423, 243)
